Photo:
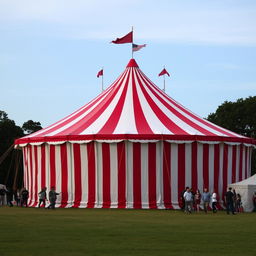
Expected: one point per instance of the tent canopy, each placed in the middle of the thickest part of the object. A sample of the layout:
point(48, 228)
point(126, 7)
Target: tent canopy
point(133, 107)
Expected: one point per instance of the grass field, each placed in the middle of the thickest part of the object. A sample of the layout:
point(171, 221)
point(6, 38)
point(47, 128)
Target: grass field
point(124, 232)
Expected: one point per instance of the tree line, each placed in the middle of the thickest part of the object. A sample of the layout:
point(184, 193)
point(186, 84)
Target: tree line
point(238, 116)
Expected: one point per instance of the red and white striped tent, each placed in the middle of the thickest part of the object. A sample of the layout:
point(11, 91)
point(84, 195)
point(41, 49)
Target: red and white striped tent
point(132, 147)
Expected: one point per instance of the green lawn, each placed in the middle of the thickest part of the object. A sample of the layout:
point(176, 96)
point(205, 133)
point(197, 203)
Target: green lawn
point(124, 232)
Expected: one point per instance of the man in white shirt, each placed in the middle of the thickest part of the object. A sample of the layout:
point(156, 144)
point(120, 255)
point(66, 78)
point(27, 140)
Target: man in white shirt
point(188, 197)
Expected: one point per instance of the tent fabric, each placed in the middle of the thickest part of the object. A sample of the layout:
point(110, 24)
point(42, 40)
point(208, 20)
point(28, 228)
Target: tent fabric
point(246, 188)
point(131, 175)
point(133, 107)
point(132, 147)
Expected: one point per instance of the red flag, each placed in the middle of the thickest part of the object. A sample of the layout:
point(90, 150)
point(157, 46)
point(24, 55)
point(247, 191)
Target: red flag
point(164, 72)
point(100, 73)
point(125, 39)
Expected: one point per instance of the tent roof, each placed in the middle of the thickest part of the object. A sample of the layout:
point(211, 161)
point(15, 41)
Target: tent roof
point(250, 181)
point(133, 107)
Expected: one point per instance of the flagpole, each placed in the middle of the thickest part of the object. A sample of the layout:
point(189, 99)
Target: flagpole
point(132, 41)
point(102, 80)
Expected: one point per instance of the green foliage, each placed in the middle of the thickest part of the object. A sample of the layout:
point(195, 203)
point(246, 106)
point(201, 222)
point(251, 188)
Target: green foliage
point(239, 117)
point(103, 232)
point(31, 126)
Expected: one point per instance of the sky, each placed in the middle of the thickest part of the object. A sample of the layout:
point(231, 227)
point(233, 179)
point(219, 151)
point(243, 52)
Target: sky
point(51, 51)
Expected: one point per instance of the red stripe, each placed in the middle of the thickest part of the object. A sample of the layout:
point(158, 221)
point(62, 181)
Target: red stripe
point(194, 166)
point(64, 175)
point(121, 175)
point(93, 115)
point(234, 164)
point(43, 182)
point(177, 113)
point(152, 175)
point(52, 167)
point(91, 174)
point(106, 174)
point(206, 165)
point(210, 125)
point(167, 175)
point(225, 169)
point(112, 121)
point(181, 169)
point(36, 177)
point(140, 120)
point(246, 163)
point(168, 123)
point(77, 113)
point(241, 162)
point(77, 174)
point(136, 175)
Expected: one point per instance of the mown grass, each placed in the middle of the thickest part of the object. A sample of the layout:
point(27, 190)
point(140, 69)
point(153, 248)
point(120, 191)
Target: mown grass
point(124, 232)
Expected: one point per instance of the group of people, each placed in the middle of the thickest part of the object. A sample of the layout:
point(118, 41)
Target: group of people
point(20, 197)
point(10, 195)
point(191, 201)
point(52, 198)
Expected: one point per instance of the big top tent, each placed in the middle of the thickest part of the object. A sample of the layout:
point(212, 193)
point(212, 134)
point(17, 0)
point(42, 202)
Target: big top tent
point(132, 147)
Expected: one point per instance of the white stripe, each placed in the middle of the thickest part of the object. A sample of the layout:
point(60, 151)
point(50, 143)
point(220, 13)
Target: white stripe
point(33, 178)
point(70, 177)
point(243, 170)
point(174, 176)
point(113, 175)
point(144, 176)
point(237, 162)
point(99, 178)
point(188, 157)
point(39, 160)
point(47, 168)
point(127, 114)
point(159, 175)
point(58, 174)
point(200, 177)
point(221, 174)
point(129, 175)
point(84, 175)
point(230, 162)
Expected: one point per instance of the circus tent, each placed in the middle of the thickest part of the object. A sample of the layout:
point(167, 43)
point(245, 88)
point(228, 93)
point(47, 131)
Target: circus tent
point(132, 147)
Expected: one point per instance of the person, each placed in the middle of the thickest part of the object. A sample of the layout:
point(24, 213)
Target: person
point(24, 197)
point(238, 203)
point(188, 197)
point(234, 200)
point(197, 200)
point(254, 201)
point(229, 196)
point(182, 199)
point(17, 197)
point(3, 191)
point(9, 196)
point(214, 201)
point(42, 197)
point(52, 198)
point(206, 198)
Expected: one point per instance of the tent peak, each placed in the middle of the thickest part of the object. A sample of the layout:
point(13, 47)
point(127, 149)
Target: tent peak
point(132, 64)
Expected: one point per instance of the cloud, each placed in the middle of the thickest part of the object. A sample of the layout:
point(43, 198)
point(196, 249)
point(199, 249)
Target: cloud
point(209, 22)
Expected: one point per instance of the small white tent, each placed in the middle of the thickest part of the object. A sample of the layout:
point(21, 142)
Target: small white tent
point(246, 188)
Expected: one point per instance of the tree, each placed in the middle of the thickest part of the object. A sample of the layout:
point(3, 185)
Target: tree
point(9, 131)
point(239, 117)
point(31, 126)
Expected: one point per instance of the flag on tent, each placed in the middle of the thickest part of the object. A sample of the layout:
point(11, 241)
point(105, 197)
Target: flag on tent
point(125, 39)
point(100, 73)
point(136, 47)
point(164, 72)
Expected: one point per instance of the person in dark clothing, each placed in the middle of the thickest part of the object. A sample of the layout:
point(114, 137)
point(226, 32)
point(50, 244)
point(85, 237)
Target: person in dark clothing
point(42, 197)
point(182, 199)
point(254, 201)
point(230, 201)
point(24, 197)
point(9, 194)
point(52, 198)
